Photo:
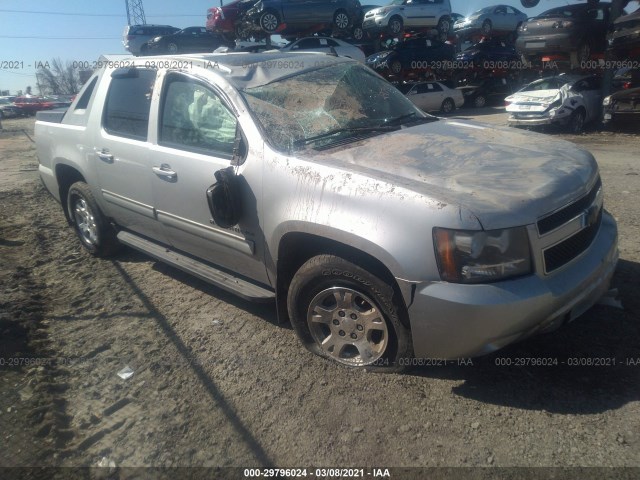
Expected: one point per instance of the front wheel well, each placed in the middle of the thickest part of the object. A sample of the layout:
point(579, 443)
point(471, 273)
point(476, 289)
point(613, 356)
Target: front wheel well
point(296, 248)
point(66, 176)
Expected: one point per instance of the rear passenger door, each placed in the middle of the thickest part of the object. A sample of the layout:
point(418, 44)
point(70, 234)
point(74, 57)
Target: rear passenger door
point(121, 153)
point(195, 138)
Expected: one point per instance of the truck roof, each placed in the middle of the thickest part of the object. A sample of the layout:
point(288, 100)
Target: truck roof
point(241, 69)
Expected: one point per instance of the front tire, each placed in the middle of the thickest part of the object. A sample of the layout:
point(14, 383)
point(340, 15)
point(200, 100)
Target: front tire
point(345, 313)
point(91, 226)
point(172, 48)
point(480, 101)
point(395, 26)
point(357, 33)
point(487, 27)
point(396, 67)
point(576, 122)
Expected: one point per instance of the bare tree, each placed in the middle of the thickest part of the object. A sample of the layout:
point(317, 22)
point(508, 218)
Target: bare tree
point(58, 78)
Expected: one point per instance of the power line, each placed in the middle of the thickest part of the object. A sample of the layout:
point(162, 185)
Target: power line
point(17, 73)
point(96, 14)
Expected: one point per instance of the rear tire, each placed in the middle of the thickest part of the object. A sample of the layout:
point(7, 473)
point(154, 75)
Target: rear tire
point(341, 20)
point(96, 234)
point(172, 48)
point(448, 106)
point(347, 314)
point(444, 26)
point(269, 21)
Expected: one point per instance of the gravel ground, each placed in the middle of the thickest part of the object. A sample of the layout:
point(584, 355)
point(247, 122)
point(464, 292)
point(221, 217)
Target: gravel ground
point(218, 382)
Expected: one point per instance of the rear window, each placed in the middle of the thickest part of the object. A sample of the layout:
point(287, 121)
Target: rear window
point(126, 111)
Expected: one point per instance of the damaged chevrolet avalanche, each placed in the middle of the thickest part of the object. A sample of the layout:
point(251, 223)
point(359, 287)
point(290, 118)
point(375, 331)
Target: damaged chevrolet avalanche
point(381, 233)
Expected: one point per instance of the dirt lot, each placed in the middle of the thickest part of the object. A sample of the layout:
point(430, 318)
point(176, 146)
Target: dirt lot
point(218, 382)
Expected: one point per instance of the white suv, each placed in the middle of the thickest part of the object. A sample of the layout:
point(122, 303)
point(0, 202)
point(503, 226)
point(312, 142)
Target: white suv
point(407, 14)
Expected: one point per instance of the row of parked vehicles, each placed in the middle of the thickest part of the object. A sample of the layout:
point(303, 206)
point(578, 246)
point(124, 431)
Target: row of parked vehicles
point(21, 106)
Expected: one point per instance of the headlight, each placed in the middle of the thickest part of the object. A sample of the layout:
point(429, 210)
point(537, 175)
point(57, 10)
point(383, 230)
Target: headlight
point(606, 101)
point(471, 256)
point(557, 102)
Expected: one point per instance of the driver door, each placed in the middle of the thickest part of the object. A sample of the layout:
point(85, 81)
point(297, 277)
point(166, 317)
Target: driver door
point(196, 136)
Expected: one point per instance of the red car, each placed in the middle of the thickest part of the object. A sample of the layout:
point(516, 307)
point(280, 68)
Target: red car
point(222, 20)
point(31, 105)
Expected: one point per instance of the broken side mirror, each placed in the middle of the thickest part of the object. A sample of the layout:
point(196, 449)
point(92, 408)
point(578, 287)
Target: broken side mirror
point(224, 198)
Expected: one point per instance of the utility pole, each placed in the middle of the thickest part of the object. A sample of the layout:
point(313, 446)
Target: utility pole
point(135, 12)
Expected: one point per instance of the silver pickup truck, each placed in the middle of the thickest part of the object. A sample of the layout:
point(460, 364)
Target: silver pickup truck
point(383, 234)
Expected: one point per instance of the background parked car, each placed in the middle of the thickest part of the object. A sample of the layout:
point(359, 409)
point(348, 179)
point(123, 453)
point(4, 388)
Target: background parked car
point(565, 100)
point(407, 14)
point(8, 109)
point(324, 44)
point(433, 96)
point(624, 39)
point(135, 37)
point(225, 20)
point(496, 18)
point(188, 40)
point(492, 53)
point(287, 17)
point(623, 106)
point(31, 105)
point(487, 91)
point(415, 54)
point(357, 33)
point(579, 29)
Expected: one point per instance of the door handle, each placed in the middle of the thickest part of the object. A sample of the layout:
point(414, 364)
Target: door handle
point(105, 156)
point(164, 170)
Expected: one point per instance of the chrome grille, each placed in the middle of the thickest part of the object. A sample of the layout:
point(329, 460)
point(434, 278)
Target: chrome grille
point(569, 212)
point(565, 251)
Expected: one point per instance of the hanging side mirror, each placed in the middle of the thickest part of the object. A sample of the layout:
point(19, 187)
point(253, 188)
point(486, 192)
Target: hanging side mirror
point(224, 200)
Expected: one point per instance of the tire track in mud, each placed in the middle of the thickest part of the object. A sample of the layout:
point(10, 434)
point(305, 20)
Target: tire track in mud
point(28, 358)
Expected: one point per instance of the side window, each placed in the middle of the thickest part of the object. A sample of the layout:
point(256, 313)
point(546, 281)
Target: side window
point(83, 102)
point(307, 43)
point(126, 111)
point(193, 117)
point(436, 87)
point(332, 43)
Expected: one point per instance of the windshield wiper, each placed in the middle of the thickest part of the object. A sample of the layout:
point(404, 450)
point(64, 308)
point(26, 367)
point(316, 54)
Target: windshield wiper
point(401, 119)
point(380, 128)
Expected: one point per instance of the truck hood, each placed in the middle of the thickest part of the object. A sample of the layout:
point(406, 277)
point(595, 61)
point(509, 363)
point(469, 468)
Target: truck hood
point(504, 177)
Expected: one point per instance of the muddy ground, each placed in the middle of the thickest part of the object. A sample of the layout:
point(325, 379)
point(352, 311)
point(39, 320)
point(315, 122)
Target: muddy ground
point(218, 382)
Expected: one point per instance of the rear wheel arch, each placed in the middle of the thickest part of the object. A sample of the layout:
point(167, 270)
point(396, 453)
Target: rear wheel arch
point(296, 248)
point(66, 176)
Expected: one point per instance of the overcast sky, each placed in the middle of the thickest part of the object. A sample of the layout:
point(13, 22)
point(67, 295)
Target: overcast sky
point(77, 30)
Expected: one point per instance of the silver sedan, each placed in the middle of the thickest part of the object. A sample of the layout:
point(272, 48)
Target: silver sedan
point(324, 44)
point(496, 18)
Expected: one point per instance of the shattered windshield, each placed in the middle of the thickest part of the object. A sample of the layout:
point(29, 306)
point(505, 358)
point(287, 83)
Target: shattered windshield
point(327, 105)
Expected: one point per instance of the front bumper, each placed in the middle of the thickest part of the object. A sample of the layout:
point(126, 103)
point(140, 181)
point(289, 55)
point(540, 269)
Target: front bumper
point(376, 22)
point(532, 119)
point(462, 30)
point(451, 320)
